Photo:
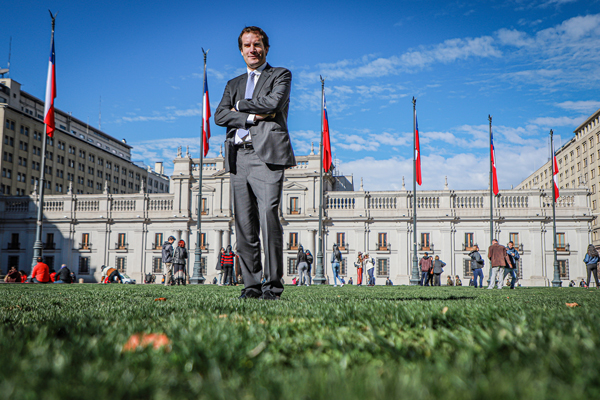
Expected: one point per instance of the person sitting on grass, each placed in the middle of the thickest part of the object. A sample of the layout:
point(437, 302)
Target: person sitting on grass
point(110, 275)
point(583, 284)
point(350, 282)
point(52, 275)
point(449, 281)
point(23, 276)
point(40, 273)
point(13, 275)
point(458, 281)
point(63, 275)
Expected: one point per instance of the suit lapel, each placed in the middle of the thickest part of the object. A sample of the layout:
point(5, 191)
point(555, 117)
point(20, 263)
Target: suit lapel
point(241, 88)
point(261, 80)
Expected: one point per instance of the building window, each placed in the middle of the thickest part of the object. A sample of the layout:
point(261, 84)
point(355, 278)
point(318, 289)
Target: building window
point(514, 237)
point(84, 265)
point(292, 267)
point(467, 272)
point(13, 261)
point(203, 241)
point(14, 242)
point(340, 238)
point(121, 244)
point(158, 241)
point(85, 241)
point(469, 241)
point(425, 242)
point(49, 241)
point(563, 268)
point(560, 242)
point(293, 245)
point(382, 267)
point(294, 209)
point(343, 267)
point(49, 261)
point(121, 264)
point(382, 243)
point(157, 267)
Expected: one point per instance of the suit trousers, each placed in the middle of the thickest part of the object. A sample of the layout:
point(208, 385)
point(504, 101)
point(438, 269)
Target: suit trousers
point(256, 197)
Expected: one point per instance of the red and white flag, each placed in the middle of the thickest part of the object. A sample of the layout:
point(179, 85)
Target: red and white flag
point(493, 156)
point(50, 93)
point(417, 153)
point(205, 116)
point(554, 173)
point(326, 142)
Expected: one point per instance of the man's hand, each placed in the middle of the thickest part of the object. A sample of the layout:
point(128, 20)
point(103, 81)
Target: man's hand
point(260, 117)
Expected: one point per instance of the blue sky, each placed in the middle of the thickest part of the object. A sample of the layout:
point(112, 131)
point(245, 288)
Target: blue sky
point(533, 65)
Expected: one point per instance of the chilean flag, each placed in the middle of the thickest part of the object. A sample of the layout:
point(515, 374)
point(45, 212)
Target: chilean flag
point(417, 153)
point(205, 116)
point(50, 94)
point(554, 173)
point(493, 156)
point(326, 142)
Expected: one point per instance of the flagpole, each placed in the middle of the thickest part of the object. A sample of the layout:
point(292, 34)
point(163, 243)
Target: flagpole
point(37, 246)
point(414, 280)
point(197, 277)
point(556, 282)
point(320, 273)
point(491, 186)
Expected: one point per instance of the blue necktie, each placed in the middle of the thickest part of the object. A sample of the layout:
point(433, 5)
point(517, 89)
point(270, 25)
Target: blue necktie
point(243, 133)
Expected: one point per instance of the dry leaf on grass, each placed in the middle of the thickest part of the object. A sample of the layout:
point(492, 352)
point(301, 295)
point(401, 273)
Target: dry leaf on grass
point(444, 310)
point(160, 299)
point(572, 305)
point(143, 340)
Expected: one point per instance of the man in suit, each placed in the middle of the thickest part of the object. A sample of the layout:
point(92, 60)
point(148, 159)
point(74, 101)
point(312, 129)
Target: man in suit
point(254, 110)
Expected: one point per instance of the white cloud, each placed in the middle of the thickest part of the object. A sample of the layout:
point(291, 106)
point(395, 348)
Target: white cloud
point(549, 122)
point(583, 106)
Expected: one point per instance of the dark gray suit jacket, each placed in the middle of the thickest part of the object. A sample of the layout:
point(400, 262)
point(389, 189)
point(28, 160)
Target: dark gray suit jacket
point(270, 137)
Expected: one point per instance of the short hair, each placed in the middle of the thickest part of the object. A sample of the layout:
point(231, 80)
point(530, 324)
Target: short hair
point(256, 30)
point(39, 259)
point(495, 240)
point(511, 242)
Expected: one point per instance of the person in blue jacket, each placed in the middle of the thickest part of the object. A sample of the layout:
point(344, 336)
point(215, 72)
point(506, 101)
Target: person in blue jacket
point(513, 255)
point(591, 262)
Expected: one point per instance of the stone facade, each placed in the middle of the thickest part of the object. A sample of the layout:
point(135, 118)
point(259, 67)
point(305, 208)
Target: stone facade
point(127, 231)
point(79, 156)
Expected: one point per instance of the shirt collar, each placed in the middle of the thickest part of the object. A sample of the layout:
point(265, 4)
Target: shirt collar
point(258, 70)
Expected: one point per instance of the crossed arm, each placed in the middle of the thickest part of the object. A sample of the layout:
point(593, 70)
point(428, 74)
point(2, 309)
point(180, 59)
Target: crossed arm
point(262, 107)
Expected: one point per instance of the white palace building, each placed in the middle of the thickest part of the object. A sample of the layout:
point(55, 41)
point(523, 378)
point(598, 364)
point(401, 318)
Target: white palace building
point(86, 231)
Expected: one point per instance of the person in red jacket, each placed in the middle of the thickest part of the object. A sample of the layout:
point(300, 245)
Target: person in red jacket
point(40, 273)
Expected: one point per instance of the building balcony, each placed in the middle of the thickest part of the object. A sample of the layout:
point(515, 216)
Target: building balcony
point(13, 246)
point(49, 246)
point(294, 211)
point(121, 246)
point(383, 246)
point(156, 246)
point(342, 246)
point(87, 246)
point(563, 248)
point(292, 246)
point(426, 247)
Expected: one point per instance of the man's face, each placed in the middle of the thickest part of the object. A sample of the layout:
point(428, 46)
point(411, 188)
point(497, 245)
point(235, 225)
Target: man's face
point(253, 50)
point(510, 245)
point(171, 241)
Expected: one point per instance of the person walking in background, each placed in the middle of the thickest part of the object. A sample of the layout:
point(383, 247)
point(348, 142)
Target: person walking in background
point(425, 264)
point(513, 256)
point(438, 268)
point(180, 254)
point(219, 266)
point(63, 275)
point(228, 260)
point(336, 262)
point(591, 263)
point(359, 268)
point(309, 261)
point(40, 273)
point(498, 258)
point(302, 266)
point(167, 258)
point(477, 266)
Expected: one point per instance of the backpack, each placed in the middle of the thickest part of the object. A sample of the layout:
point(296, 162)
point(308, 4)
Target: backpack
point(309, 258)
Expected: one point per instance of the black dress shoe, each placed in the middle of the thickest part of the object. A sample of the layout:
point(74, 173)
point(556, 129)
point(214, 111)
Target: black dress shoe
point(248, 294)
point(268, 295)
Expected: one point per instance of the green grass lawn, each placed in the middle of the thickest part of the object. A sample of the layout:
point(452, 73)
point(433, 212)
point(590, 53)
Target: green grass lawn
point(66, 341)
